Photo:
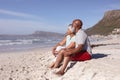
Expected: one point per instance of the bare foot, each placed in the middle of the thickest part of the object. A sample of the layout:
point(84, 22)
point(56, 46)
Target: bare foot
point(60, 73)
point(55, 66)
point(52, 65)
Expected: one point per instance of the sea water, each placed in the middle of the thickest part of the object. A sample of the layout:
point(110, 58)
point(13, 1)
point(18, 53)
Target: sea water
point(26, 44)
point(7, 45)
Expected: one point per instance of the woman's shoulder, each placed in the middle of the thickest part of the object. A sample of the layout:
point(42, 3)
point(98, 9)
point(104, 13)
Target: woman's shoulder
point(68, 36)
point(73, 36)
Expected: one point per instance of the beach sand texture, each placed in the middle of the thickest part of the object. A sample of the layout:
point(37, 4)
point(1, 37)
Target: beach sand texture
point(33, 64)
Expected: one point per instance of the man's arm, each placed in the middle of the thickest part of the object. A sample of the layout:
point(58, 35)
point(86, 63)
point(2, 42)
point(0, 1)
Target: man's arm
point(69, 52)
point(78, 49)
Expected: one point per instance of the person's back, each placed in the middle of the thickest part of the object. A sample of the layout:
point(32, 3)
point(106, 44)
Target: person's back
point(82, 38)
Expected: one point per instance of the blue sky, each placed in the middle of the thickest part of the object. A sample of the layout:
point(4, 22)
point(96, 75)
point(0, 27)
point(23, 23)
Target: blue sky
point(27, 16)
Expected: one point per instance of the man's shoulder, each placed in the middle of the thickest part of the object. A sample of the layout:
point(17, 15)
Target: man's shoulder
point(81, 31)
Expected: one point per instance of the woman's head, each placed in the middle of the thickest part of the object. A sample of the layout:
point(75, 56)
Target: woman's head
point(71, 30)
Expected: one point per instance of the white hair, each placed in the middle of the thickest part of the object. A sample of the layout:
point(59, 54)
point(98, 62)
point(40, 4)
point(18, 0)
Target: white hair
point(72, 29)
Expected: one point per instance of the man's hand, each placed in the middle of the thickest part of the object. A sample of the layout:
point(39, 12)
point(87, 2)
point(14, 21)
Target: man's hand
point(69, 52)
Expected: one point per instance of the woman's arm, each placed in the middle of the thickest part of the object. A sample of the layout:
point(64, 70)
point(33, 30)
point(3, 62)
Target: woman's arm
point(59, 44)
point(71, 45)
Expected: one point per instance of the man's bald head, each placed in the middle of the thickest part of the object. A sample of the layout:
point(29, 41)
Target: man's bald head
point(78, 23)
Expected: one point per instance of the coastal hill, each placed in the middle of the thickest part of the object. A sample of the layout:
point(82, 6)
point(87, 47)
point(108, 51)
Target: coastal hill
point(36, 34)
point(109, 24)
point(47, 34)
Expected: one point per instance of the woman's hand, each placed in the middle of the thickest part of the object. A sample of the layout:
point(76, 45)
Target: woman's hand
point(63, 49)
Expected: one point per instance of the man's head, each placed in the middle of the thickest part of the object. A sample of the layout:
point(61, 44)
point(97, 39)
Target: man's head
point(77, 24)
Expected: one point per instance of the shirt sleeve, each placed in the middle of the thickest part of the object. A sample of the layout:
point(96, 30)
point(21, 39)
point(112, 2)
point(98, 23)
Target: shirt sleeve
point(81, 38)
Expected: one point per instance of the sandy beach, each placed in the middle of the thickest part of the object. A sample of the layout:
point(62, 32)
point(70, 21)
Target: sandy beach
point(33, 64)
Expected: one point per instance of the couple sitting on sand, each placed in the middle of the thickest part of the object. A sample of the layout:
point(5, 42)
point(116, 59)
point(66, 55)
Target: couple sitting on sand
point(77, 47)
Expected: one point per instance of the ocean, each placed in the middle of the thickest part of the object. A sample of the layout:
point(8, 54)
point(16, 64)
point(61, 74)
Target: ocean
point(7, 45)
point(22, 44)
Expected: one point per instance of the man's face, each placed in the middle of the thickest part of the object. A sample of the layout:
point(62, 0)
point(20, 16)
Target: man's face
point(75, 26)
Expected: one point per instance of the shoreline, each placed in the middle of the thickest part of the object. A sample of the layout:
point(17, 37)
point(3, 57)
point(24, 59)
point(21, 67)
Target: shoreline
point(25, 50)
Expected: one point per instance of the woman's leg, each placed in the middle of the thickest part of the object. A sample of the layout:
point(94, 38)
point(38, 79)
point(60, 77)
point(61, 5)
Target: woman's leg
point(59, 59)
point(63, 67)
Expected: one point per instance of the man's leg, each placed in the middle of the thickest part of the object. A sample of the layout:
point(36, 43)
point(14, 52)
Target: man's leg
point(52, 65)
point(65, 63)
point(59, 59)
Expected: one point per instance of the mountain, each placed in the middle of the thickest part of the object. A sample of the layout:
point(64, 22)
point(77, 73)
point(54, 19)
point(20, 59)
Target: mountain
point(47, 34)
point(36, 34)
point(108, 24)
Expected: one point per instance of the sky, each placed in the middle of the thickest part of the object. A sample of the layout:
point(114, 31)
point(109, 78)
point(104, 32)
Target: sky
point(27, 16)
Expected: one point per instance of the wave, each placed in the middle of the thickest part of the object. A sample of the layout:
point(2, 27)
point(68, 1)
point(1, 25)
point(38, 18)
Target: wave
point(14, 42)
point(28, 41)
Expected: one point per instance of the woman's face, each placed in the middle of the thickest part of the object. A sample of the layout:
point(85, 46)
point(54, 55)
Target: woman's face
point(75, 26)
point(68, 32)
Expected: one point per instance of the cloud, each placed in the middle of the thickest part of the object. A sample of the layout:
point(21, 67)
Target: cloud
point(18, 14)
point(24, 26)
point(14, 26)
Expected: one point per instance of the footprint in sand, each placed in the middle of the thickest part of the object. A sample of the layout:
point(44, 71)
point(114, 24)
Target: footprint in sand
point(12, 71)
point(94, 74)
point(10, 78)
point(1, 69)
point(83, 69)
